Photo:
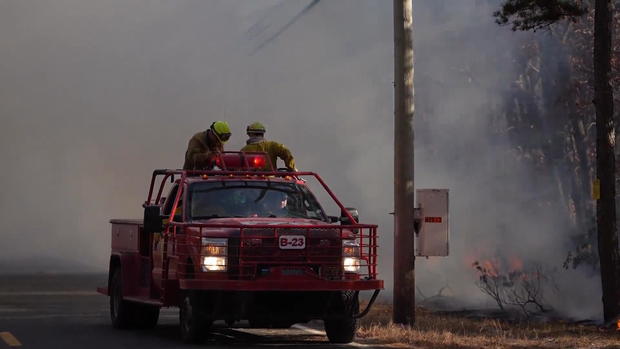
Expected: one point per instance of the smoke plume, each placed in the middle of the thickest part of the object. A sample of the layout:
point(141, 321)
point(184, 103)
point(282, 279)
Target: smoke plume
point(95, 95)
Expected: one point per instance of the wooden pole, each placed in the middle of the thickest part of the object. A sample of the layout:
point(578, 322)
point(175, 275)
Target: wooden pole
point(404, 259)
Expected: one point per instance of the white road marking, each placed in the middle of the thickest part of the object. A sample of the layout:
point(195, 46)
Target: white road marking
point(322, 333)
point(10, 339)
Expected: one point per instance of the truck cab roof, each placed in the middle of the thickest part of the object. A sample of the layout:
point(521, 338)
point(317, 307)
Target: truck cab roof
point(242, 185)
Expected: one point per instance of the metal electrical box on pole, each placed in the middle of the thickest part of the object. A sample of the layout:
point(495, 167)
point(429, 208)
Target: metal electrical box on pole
point(433, 223)
point(404, 257)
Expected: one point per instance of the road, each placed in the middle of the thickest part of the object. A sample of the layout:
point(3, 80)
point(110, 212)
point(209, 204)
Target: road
point(63, 311)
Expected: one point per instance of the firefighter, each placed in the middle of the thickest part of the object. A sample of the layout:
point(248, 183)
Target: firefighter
point(204, 146)
point(257, 142)
point(275, 204)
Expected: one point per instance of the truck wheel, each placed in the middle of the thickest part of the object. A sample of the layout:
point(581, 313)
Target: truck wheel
point(194, 324)
point(147, 316)
point(340, 326)
point(121, 312)
point(340, 329)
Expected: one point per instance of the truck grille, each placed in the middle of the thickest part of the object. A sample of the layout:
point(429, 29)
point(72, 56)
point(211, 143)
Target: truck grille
point(259, 252)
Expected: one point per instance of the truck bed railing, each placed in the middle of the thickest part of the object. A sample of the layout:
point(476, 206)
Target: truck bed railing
point(267, 175)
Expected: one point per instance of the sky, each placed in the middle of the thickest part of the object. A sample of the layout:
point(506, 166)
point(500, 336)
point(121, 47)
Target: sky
point(94, 95)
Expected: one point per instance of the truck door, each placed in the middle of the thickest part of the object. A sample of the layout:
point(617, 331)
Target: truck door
point(158, 241)
point(146, 263)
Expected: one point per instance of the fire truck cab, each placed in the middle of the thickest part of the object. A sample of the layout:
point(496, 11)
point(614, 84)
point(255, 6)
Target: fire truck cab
point(241, 242)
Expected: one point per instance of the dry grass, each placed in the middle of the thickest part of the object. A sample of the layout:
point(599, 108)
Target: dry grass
point(456, 331)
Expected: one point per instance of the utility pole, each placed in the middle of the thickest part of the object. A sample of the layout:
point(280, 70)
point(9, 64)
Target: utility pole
point(404, 258)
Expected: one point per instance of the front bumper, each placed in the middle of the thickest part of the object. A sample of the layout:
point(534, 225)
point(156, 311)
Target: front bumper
point(280, 285)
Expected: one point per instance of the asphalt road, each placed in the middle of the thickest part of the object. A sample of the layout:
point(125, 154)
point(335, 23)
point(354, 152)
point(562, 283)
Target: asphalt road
point(64, 311)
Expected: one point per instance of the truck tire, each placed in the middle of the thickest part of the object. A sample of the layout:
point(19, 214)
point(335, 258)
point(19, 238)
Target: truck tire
point(194, 324)
point(121, 311)
point(340, 325)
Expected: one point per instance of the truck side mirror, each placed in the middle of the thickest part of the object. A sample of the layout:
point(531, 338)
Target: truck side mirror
point(153, 222)
point(353, 212)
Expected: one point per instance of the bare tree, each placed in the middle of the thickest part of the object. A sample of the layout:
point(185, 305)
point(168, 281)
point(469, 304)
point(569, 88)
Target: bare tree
point(491, 284)
point(523, 289)
point(527, 290)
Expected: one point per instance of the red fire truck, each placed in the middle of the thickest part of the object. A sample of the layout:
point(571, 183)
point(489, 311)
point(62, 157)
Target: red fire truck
point(242, 242)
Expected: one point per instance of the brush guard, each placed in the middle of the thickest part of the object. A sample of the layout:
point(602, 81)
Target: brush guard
point(253, 254)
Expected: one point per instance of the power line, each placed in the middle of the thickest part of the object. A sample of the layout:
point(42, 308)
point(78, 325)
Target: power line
point(286, 26)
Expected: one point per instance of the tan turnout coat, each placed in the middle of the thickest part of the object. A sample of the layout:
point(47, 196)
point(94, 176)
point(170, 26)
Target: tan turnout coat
point(199, 155)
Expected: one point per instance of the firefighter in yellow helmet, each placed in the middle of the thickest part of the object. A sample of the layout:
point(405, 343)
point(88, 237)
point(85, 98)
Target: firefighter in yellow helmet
point(257, 142)
point(204, 146)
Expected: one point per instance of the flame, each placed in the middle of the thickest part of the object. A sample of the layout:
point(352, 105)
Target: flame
point(618, 325)
point(516, 264)
point(510, 266)
point(492, 267)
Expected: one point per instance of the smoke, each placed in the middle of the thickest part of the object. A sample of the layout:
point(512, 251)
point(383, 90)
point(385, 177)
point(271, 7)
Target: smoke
point(95, 95)
point(283, 28)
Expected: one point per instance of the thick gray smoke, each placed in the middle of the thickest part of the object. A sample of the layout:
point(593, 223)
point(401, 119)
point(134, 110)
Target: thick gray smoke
point(94, 95)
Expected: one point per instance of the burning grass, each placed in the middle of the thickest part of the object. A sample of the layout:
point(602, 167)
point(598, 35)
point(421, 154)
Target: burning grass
point(433, 330)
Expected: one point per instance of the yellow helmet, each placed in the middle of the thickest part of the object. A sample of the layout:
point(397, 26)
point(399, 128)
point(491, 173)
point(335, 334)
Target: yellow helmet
point(256, 127)
point(221, 130)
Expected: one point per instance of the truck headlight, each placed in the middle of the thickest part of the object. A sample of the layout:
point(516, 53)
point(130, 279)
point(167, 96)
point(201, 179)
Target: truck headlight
point(351, 265)
point(351, 256)
point(214, 264)
point(214, 254)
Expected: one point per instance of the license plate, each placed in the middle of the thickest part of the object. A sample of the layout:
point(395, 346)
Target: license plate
point(292, 242)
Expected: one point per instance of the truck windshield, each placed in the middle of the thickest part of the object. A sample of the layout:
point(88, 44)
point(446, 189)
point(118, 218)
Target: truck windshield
point(252, 199)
